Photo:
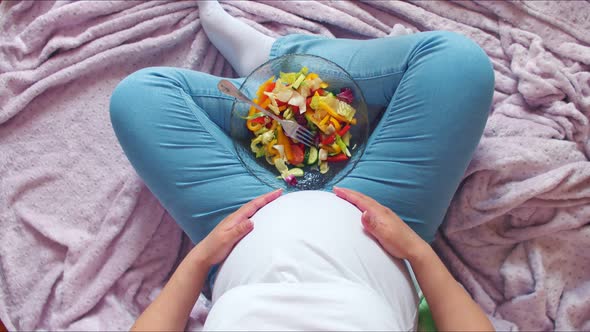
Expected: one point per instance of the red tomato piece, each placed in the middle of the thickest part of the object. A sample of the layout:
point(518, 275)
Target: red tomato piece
point(259, 120)
point(298, 154)
point(337, 158)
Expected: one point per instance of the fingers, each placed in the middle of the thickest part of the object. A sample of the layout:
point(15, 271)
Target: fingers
point(242, 228)
point(368, 221)
point(248, 209)
point(361, 201)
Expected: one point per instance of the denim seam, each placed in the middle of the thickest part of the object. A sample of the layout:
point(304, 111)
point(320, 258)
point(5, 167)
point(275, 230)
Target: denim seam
point(372, 77)
point(184, 95)
point(209, 94)
point(278, 44)
point(274, 49)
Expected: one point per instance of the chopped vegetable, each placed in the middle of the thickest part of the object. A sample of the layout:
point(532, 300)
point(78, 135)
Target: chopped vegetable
point(301, 97)
point(288, 78)
point(262, 88)
point(283, 140)
point(281, 165)
point(267, 137)
point(345, 110)
point(325, 107)
point(291, 180)
point(336, 124)
point(330, 129)
point(298, 154)
point(298, 81)
point(334, 149)
point(298, 172)
point(288, 115)
point(324, 168)
point(337, 158)
point(342, 146)
point(346, 95)
point(346, 138)
point(281, 149)
point(344, 130)
point(323, 154)
point(259, 120)
point(311, 155)
point(253, 116)
point(329, 139)
point(275, 109)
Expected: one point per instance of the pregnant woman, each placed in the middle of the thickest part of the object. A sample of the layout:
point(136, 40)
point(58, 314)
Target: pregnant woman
point(311, 260)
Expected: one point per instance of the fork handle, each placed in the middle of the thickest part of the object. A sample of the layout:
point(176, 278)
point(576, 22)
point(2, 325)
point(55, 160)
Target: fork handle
point(229, 89)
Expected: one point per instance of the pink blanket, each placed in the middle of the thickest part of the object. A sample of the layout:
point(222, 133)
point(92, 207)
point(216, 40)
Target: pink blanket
point(85, 246)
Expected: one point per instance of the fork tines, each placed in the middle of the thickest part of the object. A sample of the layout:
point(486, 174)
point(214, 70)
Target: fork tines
point(305, 136)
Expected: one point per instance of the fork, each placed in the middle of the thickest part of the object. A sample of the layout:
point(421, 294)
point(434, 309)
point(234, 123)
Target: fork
point(290, 127)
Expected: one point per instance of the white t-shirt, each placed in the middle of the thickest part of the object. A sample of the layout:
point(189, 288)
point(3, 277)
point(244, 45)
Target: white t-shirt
point(309, 265)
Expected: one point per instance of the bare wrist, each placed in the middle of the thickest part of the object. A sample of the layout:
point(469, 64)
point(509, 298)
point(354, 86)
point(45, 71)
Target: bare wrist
point(197, 258)
point(421, 250)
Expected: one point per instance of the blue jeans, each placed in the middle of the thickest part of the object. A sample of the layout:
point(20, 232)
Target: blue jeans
point(429, 94)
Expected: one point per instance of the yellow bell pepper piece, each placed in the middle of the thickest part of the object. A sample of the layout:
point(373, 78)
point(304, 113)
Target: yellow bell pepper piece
point(269, 148)
point(249, 124)
point(265, 103)
point(323, 106)
point(253, 126)
point(333, 148)
point(325, 121)
point(314, 120)
point(336, 148)
point(336, 124)
point(253, 109)
point(284, 140)
point(311, 76)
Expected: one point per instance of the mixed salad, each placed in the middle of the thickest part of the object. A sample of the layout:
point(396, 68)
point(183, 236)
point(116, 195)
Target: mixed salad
point(302, 97)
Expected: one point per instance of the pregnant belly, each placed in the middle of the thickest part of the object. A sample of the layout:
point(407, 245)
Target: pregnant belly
point(310, 237)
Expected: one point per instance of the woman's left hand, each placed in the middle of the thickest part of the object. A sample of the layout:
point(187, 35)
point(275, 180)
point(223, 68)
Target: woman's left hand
point(214, 248)
point(171, 309)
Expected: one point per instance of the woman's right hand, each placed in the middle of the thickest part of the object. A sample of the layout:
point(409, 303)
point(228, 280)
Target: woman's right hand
point(451, 306)
point(394, 235)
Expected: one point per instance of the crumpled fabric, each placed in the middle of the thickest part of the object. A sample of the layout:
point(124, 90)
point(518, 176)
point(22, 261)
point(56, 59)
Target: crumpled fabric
point(85, 246)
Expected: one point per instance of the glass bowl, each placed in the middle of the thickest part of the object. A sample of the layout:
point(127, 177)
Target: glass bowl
point(337, 78)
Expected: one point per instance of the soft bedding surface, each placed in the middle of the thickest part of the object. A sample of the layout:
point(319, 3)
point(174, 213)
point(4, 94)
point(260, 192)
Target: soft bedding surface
point(85, 246)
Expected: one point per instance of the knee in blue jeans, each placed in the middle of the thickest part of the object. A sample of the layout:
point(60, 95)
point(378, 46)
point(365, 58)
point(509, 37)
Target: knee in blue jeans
point(467, 58)
point(132, 91)
point(125, 91)
point(462, 67)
